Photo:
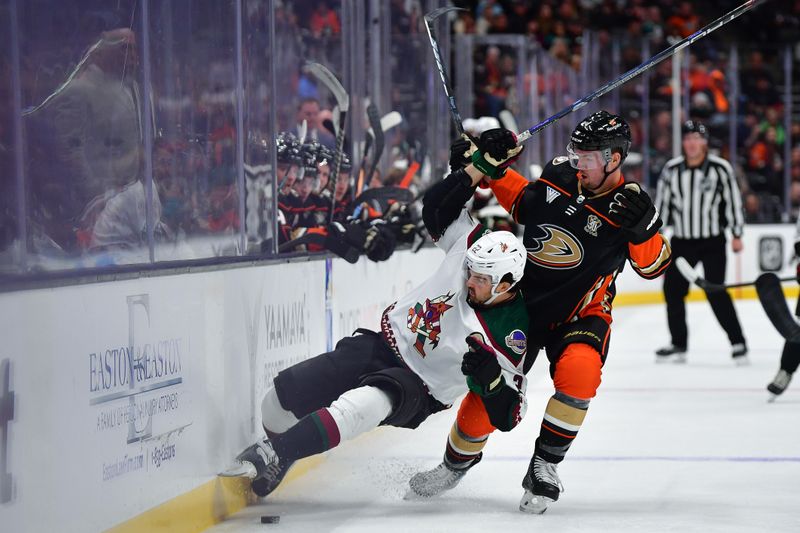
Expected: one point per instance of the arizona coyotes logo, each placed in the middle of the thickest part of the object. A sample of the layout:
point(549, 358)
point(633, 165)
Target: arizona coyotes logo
point(425, 321)
point(556, 249)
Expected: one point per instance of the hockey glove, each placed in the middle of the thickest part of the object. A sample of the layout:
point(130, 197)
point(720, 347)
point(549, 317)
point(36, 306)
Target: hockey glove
point(497, 150)
point(461, 151)
point(380, 241)
point(484, 376)
point(633, 209)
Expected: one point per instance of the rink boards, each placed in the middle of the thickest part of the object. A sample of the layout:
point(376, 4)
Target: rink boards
point(119, 401)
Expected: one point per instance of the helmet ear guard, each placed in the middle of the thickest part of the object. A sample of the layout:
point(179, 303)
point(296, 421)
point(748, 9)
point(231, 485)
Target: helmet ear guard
point(604, 132)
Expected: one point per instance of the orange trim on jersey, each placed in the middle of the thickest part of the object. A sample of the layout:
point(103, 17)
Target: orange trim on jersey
point(650, 258)
point(601, 215)
point(553, 185)
point(473, 420)
point(508, 190)
point(594, 305)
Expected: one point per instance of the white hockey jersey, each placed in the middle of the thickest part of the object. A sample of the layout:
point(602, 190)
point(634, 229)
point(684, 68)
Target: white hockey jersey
point(428, 327)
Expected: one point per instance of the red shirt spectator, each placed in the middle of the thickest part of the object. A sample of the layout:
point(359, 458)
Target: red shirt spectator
point(323, 18)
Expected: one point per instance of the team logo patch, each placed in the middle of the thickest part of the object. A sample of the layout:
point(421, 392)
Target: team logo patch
point(552, 194)
point(592, 224)
point(517, 342)
point(425, 321)
point(556, 249)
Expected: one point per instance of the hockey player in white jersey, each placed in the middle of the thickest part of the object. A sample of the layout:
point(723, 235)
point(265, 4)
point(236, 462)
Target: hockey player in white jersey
point(461, 331)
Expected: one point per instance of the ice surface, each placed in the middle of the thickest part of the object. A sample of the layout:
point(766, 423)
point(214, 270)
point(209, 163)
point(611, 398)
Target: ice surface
point(681, 448)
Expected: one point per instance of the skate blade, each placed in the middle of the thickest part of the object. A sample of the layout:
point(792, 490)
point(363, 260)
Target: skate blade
point(772, 398)
point(533, 504)
point(241, 469)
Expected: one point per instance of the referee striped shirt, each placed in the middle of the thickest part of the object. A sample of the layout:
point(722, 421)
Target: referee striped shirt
point(700, 202)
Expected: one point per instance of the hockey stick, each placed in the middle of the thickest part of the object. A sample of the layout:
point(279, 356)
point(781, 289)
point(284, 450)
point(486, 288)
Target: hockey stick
point(655, 60)
point(364, 162)
point(507, 120)
point(770, 294)
point(692, 276)
point(391, 120)
point(343, 100)
point(375, 122)
point(437, 57)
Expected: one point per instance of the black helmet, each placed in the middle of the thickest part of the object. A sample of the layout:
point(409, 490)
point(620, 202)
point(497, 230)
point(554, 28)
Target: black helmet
point(288, 147)
point(309, 153)
point(325, 155)
point(346, 165)
point(602, 131)
point(692, 126)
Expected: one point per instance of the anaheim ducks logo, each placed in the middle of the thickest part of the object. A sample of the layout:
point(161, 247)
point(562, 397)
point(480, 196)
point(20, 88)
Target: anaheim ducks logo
point(556, 249)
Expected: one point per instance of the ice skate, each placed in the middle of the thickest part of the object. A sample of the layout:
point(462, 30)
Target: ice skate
point(542, 486)
point(260, 463)
point(779, 384)
point(434, 482)
point(739, 354)
point(671, 354)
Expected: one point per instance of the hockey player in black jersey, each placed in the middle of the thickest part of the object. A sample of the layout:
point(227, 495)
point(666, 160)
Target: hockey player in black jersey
point(583, 221)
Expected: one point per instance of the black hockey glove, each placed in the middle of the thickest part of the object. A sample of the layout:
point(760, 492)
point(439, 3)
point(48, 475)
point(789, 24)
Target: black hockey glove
point(484, 376)
point(380, 241)
point(633, 209)
point(346, 240)
point(497, 150)
point(461, 151)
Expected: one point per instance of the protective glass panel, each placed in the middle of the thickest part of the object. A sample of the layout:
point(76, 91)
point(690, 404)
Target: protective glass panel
point(83, 112)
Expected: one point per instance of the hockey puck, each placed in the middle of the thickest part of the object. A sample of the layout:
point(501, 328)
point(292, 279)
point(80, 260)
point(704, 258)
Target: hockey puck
point(270, 519)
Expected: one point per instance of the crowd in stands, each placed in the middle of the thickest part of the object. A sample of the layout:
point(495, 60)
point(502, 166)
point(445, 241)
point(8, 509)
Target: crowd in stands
point(560, 29)
point(86, 111)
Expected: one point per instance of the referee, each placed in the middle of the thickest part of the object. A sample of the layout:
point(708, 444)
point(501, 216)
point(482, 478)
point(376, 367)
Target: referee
point(698, 196)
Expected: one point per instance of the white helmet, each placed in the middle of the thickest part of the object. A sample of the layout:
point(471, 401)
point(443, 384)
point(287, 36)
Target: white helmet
point(496, 254)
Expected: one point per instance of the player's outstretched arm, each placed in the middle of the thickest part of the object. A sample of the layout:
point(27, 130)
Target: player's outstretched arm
point(443, 202)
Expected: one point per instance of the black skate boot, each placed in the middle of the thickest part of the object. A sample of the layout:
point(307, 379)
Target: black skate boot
point(671, 354)
point(269, 469)
point(779, 384)
point(542, 486)
point(739, 354)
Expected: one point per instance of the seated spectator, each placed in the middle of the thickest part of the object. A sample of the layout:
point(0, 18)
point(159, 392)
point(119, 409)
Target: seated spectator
point(324, 21)
point(309, 110)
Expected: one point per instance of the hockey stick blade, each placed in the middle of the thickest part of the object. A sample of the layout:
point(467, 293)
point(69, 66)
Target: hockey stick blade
point(692, 276)
point(687, 271)
point(324, 75)
point(390, 120)
point(303, 131)
point(770, 294)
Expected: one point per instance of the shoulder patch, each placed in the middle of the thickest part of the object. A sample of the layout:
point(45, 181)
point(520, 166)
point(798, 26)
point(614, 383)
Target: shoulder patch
point(560, 159)
point(517, 342)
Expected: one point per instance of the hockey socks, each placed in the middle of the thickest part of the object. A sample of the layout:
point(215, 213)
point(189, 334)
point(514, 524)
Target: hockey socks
point(463, 451)
point(313, 434)
point(562, 420)
point(353, 413)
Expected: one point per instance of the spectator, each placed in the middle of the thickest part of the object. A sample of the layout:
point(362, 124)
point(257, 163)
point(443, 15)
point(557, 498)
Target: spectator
point(324, 21)
point(309, 110)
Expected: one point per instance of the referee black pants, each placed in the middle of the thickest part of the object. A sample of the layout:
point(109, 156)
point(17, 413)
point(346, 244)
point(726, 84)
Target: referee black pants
point(711, 253)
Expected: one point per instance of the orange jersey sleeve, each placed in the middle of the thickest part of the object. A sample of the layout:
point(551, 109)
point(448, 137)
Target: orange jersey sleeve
point(508, 190)
point(650, 258)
